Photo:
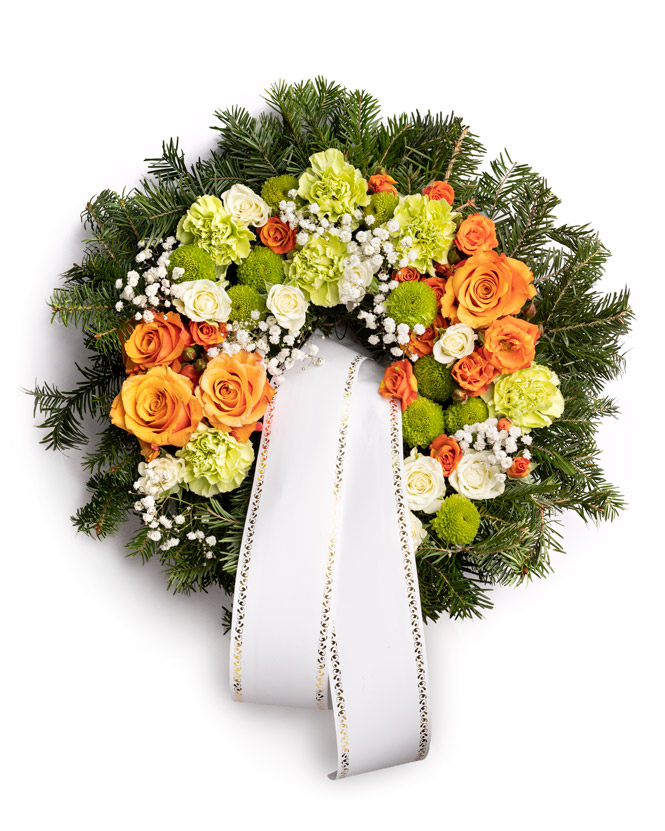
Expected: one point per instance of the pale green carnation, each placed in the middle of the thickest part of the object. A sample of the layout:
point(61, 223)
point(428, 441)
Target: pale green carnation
point(215, 462)
point(431, 226)
point(334, 185)
point(210, 226)
point(317, 269)
point(529, 397)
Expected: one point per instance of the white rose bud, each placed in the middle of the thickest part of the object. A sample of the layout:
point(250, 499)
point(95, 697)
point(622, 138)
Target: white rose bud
point(424, 482)
point(202, 300)
point(163, 474)
point(476, 477)
point(456, 342)
point(418, 532)
point(246, 206)
point(289, 306)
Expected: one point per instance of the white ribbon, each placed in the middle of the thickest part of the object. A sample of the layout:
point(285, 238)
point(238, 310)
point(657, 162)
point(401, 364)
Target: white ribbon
point(326, 608)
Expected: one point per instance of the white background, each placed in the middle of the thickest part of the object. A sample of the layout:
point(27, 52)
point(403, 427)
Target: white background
point(115, 710)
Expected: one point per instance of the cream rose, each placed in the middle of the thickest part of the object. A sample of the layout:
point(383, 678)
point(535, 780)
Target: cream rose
point(424, 482)
point(475, 478)
point(289, 306)
point(455, 342)
point(418, 532)
point(246, 206)
point(355, 281)
point(202, 301)
point(161, 477)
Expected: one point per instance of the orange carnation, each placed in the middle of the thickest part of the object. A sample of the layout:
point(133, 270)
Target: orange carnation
point(159, 343)
point(158, 407)
point(278, 236)
point(400, 382)
point(381, 183)
point(474, 373)
point(234, 393)
point(440, 190)
point(206, 334)
point(408, 274)
point(510, 343)
point(487, 286)
point(519, 468)
point(476, 234)
point(447, 452)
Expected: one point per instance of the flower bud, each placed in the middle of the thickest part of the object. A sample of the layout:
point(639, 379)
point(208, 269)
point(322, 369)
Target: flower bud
point(530, 309)
point(454, 256)
point(189, 354)
point(459, 396)
point(200, 364)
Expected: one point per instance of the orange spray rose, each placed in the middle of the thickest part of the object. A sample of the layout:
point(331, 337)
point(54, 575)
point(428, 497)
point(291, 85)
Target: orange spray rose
point(510, 343)
point(400, 382)
point(476, 234)
point(381, 183)
point(447, 452)
point(408, 274)
point(206, 334)
point(474, 373)
point(278, 236)
point(519, 468)
point(440, 190)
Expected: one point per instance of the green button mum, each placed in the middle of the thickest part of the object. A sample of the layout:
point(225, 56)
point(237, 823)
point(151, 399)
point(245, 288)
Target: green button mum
point(412, 303)
point(333, 184)
point(457, 520)
point(422, 422)
point(529, 397)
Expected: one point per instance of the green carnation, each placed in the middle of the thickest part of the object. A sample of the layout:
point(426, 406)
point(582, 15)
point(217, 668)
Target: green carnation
point(262, 268)
point(435, 380)
point(245, 300)
point(334, 185)
point(471, 411)
point(210, 226)
point(215, 462)
point(529, 397)
point(422, 422)
point(317, 269)
point(412, 303)
point(430, 224)
point(457, 520)
point(277, 189)
point(382, 207)
point(196, 263)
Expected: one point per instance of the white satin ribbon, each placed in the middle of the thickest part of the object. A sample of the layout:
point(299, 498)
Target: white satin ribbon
point(326, 608)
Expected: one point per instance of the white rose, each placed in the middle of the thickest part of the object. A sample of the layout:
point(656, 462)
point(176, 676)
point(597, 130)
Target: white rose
point(475, 478)
point(289, 306)
point(418, 532)
point(162, 476)
point(202, 300)
point(424, 482)
point(355, 281)
point(456, 342)
point(246, 206)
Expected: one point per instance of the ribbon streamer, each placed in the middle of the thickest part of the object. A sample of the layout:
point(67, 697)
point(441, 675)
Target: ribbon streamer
point(326, 608)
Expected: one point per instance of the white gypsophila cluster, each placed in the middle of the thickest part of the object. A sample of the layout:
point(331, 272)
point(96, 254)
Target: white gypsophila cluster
point(209, 541)
point(160, 525)
point(503, 444)
point(149, 288)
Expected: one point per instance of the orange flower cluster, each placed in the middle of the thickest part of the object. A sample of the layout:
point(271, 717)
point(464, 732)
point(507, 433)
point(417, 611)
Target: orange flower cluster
point(400, 382)
point(381, 183)
point(447, 452)
point(278, 236)
point(440, 190)
point(474, 373)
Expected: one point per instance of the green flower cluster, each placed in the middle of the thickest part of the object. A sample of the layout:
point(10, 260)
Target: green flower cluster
point(261, 269)
point(196, 263)
point(211, 227)
point(431, 226)
point(529, 397)
point(245, 300)
point(422, 422)
point(412, 303)
point(382, 206)
point(215, 462)
point(334, 185)
point(317, 268)
point(457, 520)
point(277, 189)
point(435, 380)
point(472, 411)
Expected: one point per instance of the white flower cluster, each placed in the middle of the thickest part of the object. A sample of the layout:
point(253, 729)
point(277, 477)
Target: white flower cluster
point(160, 525)
point(151, 288)
point(502, 444)
point(209, 541)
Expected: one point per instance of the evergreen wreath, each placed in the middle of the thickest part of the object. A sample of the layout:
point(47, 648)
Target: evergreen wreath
point(321, 216)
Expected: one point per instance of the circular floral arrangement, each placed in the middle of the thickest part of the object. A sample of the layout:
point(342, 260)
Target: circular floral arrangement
point(200, 289)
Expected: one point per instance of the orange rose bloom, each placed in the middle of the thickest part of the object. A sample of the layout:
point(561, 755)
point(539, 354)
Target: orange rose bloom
point(476, 234)
point(278, 236)
point(158, 408)
point(446, 451)
point(422, 345)
point(381, 183)
point(207, 335)
point(510, 343)
point(440, 190)
point(159, 343)
point(438, 286)
point(407, 274)
point(504, 424)
point(400, 382)
point(519, 468)
point(234, 393)
point(474, 373)
point(485, 287)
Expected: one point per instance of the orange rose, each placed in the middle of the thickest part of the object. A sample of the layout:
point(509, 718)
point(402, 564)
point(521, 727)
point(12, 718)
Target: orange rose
point(190, 372)
point(207, 335)
point(519, 468)
point(510, 343)
point(234, 393)
point(278, 236)
point(474, 373)
point(159, 343)
point(446, 451)
point(407, 274)
point(400, 382)
point(485, 287)
point(504, 424)
point(438, 286)
point(381, 183)
point(422, 345)
point(476, 234)
point(440, 190)
point(158, 407)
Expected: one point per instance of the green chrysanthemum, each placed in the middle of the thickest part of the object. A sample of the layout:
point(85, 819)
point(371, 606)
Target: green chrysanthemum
point(215, 462)
point(412, 303)
point(196, 263)
point(435, 380)
point(277, 189)
point(382, 207)
point(245, 300)
point(431, 226)
point(334, 185)
point(317, 268)
point(457, 520)
point(529, 397)
point(210, 226)
point(262, 269)
point(422, 422)
point(472, 411)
